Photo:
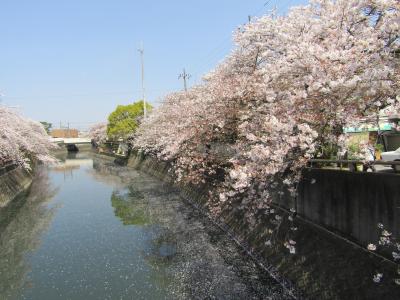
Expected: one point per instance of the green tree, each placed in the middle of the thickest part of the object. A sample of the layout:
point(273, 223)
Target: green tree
point(131, 207)
point(124, 120)
point(47, 126)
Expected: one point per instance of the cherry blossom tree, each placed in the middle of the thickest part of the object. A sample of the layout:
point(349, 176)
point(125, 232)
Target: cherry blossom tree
point(98, 133)
point(22, 141)
point(288, 88)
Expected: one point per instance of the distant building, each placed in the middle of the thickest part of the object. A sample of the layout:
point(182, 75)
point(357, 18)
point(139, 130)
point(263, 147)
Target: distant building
point(387, 134)
point(64, 133)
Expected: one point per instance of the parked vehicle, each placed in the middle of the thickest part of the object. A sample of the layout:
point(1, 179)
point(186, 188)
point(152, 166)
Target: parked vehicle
point(392, 156)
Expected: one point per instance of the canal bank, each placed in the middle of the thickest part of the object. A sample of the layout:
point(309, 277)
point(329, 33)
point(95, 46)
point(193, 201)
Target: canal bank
point(14, 180)
point(52, 234)
point(328, 264)
point(88, 229)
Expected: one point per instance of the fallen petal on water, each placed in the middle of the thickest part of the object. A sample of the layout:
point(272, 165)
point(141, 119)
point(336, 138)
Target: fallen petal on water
point(396, 255)
point(377, 277)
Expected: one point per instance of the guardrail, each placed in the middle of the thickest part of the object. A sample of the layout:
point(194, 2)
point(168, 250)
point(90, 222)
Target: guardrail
point(352, 164)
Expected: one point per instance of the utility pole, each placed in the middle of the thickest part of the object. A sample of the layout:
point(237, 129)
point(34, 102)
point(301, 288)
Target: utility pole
point(141, 51)
point(185, 77)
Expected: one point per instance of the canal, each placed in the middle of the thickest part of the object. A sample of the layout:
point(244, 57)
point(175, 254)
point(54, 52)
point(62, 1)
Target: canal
point(88, 229)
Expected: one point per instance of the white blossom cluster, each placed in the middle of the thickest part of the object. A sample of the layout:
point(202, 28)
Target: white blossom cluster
point(98, 133)
point(22, 141)
point(388, 241)
point(289, 86)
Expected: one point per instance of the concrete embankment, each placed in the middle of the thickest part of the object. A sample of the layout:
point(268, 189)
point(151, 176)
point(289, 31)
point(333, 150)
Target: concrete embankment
point(13, 180)
point(329, 263)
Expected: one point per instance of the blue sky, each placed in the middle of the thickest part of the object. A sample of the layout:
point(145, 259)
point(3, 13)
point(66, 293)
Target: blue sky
point(74, 61)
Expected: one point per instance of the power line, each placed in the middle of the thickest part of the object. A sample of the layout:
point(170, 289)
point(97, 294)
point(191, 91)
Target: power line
point(217, 51)
point(213, 56)
point(264, 7)
point(79, 95)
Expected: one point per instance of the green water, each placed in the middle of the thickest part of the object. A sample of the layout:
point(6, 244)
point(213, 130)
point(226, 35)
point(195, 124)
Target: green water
point(91, 230)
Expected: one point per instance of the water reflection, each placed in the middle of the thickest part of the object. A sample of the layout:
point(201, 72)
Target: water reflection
point(70, 163)
point(190, 258)
point(20, 230)
point(162, 246)
point(130, 206)
point(113, 233)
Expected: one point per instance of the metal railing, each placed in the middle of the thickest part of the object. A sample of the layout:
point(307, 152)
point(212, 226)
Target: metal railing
point(352, 164)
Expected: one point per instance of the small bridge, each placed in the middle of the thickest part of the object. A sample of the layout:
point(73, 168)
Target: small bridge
point(72, 143)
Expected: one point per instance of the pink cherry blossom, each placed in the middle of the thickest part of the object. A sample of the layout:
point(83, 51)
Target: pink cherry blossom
point(22, 141)
point(288, 87)
point(98, 133)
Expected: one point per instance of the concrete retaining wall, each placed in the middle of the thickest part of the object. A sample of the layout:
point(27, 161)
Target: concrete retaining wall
point(351, 203)
point(13, 180)
point(326, 265)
